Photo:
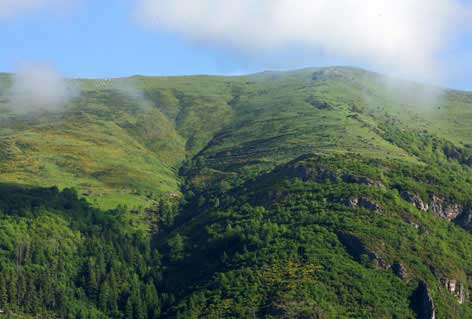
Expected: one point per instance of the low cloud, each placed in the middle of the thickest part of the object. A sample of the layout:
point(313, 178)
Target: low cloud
point(402, 36)
point(39, 87)
point(128, 88)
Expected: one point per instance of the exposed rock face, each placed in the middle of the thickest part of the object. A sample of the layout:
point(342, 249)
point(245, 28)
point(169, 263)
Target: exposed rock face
point(369, 205)
point(422, 303)
point(457, 289)
point(351, 201)
point(382, 263)
point(415, 200)
point(412, 223)
point(439, 208)
point(400, 270)
point(363, 202)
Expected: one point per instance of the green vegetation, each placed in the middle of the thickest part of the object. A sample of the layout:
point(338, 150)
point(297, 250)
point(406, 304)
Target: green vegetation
point(318, 193)
point(60, 257)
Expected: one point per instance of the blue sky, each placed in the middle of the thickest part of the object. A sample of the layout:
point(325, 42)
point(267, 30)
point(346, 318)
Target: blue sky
point(109, 38)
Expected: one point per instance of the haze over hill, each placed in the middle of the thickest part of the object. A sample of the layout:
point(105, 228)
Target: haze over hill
point(315, 193)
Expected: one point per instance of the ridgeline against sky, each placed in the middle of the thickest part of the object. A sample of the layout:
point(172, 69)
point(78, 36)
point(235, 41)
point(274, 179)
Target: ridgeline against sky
point(415, 39)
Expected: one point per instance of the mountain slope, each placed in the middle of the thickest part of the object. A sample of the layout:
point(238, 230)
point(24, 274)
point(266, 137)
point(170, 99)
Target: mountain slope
point(317, 193)
point(118, 125)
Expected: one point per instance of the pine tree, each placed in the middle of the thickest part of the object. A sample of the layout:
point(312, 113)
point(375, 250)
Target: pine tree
point(177, 248)
point(104, 297)
point(3, 294)
point(152, 300)
point(12, 290)
point(91, 277)
point(129, 311)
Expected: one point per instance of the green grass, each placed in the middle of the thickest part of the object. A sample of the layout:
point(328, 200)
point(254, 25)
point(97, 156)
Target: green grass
point(130, 136)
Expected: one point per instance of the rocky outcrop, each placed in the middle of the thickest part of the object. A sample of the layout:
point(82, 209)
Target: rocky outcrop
point(456, 288)
point(400, 270)
point(437, 205)
point(415, 200)
point(412, 223)
point(369, 205)
point(440, 208)
point(350, 201)
point(362, 202)
point(422, 303)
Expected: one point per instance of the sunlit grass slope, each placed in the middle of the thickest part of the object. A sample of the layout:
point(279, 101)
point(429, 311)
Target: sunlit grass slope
point(122, 141)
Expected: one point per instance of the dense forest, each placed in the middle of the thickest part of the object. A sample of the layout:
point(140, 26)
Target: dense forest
point(61, 257)
point(307, 194)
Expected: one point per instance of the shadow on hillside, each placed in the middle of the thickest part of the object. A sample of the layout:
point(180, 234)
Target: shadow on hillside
point(30, 201)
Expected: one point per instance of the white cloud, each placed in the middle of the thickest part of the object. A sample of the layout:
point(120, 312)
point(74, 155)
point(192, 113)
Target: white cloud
point(9, 8)
point(394, 35)
point(39, 87)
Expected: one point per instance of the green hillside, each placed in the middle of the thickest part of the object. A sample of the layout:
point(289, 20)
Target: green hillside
point(123, 140)
point(316, 193)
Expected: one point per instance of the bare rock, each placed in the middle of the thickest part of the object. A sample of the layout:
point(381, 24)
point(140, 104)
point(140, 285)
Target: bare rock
point(415, 200)
point(363, 202)
point(457, 289)
point(400, 270)
point(369, 205)
point(350, 201)
point(440, 208)
point(437, 206)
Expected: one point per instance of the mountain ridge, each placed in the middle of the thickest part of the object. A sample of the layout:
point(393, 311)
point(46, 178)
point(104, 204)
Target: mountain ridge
point(259, 73)
point(169, 108)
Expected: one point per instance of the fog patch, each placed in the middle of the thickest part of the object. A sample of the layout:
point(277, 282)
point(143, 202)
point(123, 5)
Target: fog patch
point(128, 88)
point(405, 95)
point(416, 95)
point(39, 87)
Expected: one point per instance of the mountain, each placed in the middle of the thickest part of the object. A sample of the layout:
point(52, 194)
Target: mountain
point(316, 193)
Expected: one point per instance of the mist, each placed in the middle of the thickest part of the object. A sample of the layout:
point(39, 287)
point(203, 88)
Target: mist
point(39, 87)
point(128, 88)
